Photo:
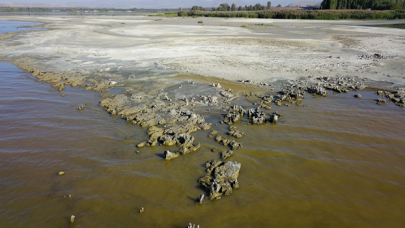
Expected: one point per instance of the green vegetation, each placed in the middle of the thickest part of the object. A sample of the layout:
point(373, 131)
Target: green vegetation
point(170, 14)
point(400, 26)
point(24, 9)
point(302, 14)
point(226, 7)
point(199, 8)
point(364, 4)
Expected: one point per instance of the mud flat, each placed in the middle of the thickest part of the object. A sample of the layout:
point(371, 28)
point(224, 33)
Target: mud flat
point(180, 78)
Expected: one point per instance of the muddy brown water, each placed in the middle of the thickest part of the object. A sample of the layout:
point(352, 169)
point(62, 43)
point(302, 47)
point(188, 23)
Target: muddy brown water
point(334, 162)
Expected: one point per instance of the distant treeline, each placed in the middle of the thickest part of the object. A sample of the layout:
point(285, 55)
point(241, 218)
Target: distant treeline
point(302, 14)
point(233, 7)
point(363, 4)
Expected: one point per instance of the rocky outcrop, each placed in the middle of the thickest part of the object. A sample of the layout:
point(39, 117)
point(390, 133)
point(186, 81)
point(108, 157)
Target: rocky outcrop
point(257, 116)
point(318, 90)
point(273, 118)
point(213, 133)
point(234, 145)
point(235, 113)
point(226, 154)
point(170, 155)
point(221, 178)
point(233, 131)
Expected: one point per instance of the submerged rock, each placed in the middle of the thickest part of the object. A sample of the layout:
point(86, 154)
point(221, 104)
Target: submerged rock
point(72, 219)
point(170, 155)
point(212, 133)
point(200, 199)
point(81, 107)
point(192, 226)
point(226, 154)
point(235, 145)
point(381, 101)
point(274, 117)
point(225, 142)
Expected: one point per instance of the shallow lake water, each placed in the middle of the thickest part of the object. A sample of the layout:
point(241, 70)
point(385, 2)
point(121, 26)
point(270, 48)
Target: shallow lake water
point(16, 26)
point(334, 162)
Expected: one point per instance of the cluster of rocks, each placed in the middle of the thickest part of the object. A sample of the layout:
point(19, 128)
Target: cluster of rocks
point(342, 84)
point(337, 85)
point(221, 178)
point(257, 116)
point(190, 225)
point(318, 90)
point(226, 154)
point(81, 107)
point(266, 102)
point(254, 82)
point(291, 95)
point(234, 114)
point(169, 124)
point(375, 56)
point(208, 100)
point(233, 144)
point(397, 97)
point(260, 117)
point(213, 133)
point(216, 85)
point(233, 131)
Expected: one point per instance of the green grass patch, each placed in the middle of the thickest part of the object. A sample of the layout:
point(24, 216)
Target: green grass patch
point(171, 14)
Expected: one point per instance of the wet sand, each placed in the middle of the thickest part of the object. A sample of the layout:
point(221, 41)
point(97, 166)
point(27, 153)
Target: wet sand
point(332, 161)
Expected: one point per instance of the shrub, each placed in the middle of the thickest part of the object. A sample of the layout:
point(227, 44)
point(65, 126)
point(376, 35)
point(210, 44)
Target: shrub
point(302, 14)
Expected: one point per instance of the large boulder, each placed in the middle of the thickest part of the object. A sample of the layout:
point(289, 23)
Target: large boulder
point(221, 178)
